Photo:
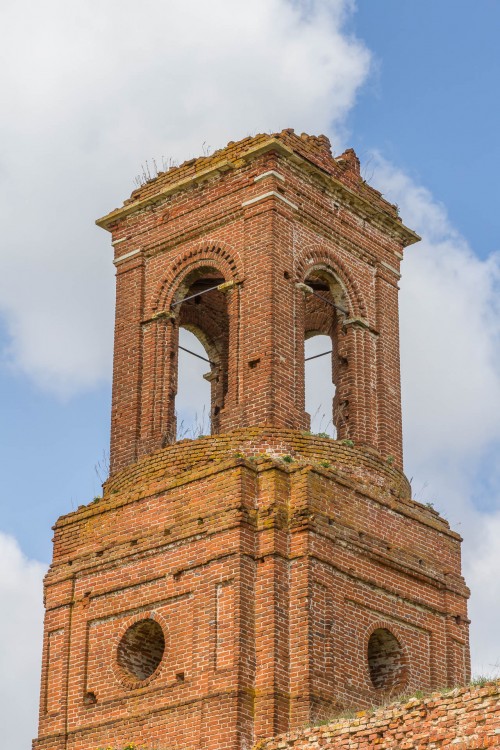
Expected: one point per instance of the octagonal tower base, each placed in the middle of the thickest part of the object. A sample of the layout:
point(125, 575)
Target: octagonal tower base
point(291, 577)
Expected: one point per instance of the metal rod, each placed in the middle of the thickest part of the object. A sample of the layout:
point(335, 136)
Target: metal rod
point(192, 296)
point(197, 355)
point(315, 356)
point(329, 302)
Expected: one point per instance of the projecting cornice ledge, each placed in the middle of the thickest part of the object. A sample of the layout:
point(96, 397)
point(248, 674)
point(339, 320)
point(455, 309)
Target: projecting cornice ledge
point(362, 205)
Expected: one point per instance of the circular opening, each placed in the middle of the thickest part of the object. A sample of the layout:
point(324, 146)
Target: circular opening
point(141, 649)
point(385, 660)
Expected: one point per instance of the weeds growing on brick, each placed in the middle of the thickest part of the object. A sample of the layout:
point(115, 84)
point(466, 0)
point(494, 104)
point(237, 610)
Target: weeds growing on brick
point(402, 698)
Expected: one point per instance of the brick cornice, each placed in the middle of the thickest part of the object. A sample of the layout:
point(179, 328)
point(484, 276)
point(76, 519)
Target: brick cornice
point(349, 196)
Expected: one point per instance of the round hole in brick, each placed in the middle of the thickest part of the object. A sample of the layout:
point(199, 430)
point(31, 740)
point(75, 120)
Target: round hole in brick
point(141, 649)
point(386, 660)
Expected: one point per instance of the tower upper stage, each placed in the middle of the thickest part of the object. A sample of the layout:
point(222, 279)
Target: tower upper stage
point(254, 249)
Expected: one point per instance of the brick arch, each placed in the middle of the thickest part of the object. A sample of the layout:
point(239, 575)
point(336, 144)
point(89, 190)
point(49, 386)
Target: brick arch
point(317, 318)
point(399, 636)
point(211, 327)
point(329, 260)
point(216, 255)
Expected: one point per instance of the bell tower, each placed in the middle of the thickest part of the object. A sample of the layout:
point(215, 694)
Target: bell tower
point(235, 586)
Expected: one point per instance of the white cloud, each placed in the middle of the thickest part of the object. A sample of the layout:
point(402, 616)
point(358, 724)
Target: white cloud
point(450, 358)
point(20, 636)
point(98, 88)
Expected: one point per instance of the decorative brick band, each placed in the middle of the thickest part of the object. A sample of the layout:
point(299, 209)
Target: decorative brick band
point(270, 173)
point(125, 257)
point(271, 193)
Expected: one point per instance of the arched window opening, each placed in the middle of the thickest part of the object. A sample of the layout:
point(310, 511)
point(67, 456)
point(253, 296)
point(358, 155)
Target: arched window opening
point(192, 402)
point(319, 387)
point(202, 374)
point(325, 310)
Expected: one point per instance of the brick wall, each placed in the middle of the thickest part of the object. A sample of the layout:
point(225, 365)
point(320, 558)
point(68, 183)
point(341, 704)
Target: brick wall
point(260, 216)
point(227, 588)
point(230, 588)
point(462, 719)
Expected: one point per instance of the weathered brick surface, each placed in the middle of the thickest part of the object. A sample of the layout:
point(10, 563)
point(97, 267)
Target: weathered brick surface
point(267, 577)
point(464, 719)
point(261, 216)
point(233, 587)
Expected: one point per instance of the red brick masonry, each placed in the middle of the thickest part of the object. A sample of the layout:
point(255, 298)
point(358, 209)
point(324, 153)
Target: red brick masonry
point(465, 719)
point(268, 558)
point(257, 219)
point(234, 587)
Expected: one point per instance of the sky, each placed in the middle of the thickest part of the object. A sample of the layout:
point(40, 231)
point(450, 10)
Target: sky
point(94, 90)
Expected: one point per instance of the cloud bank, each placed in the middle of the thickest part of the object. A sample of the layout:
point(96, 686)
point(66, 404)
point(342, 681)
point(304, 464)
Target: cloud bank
point(21, 638)
point(99, 88)
point(450, 362)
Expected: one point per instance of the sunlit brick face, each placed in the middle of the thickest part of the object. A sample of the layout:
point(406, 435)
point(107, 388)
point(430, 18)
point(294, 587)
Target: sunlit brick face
point(273, 215)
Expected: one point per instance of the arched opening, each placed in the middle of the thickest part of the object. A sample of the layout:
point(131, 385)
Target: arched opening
point(203, 348)
point(193, 399)
point(324, 364)
point(386, 661)
point(319, 386)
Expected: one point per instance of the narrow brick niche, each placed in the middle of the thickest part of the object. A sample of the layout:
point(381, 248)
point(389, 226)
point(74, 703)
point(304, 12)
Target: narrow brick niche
point(386, 661)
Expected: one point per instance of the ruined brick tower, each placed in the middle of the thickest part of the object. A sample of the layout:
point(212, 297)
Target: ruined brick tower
point(232, 587)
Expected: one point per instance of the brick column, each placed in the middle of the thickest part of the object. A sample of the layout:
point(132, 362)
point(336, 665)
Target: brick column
point(271, 609)
point(127, 370)
point(388, 386)
point(159, 383)
point(268, 351)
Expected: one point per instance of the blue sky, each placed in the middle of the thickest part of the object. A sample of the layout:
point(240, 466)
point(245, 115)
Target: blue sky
point(432, 106)
point(97, 90)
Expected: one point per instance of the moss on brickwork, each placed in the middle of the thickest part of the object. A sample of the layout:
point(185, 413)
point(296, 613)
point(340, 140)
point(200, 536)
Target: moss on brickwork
point(191, 456)
point(313, 149)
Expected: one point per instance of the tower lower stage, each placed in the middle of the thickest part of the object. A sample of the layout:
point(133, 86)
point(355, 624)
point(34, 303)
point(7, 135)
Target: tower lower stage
point(234, 587)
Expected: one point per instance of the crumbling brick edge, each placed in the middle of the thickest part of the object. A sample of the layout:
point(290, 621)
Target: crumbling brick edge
point(464, 718)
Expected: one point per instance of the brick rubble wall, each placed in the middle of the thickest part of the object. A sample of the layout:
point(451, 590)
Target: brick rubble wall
point(466, 717)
